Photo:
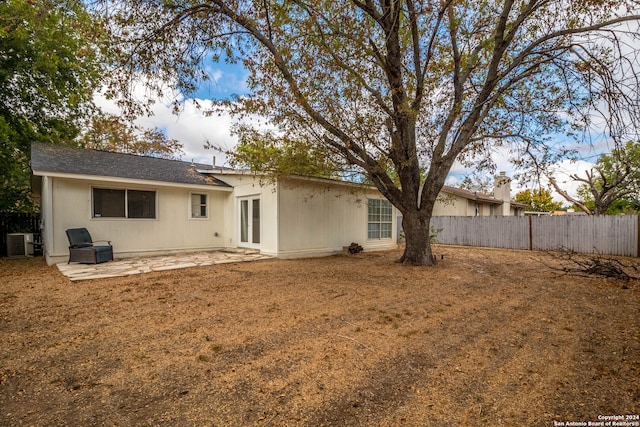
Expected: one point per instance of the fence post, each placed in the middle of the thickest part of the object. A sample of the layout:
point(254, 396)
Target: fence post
point(638, 243)
point(530, 233)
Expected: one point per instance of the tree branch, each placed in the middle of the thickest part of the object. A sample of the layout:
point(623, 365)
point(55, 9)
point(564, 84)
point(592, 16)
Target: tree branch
point(567, 196)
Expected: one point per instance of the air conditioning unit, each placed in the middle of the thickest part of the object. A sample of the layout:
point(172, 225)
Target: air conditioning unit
point(19, 244)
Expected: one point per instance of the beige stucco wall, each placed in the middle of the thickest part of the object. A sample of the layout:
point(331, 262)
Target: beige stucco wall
point(450, 205)
point(453, 205)
point(304, 217)
point(298, 218)
point(485, 209)
point(172, 230)
point(320, 218)
point(266, 191)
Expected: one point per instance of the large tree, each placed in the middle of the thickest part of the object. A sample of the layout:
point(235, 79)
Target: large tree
point(615, 178)
point(49, 69)
point(539, 200)
point(396, 88)
point(113, 133)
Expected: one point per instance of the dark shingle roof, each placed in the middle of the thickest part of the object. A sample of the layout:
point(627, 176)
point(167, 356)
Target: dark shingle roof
point(71, 160)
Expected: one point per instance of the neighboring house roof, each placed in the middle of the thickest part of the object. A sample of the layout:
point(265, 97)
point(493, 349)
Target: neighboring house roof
point(472, 195)
point(62, 159)
point(479, 197)
point(519, 205)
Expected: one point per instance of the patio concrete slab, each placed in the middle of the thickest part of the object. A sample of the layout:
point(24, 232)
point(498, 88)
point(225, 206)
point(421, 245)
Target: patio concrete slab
point(139, 265)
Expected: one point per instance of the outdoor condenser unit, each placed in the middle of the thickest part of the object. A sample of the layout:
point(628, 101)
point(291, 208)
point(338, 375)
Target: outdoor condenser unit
point(19, 244)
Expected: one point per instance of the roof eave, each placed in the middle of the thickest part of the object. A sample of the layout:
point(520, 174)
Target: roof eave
point(236, 172)
point(112, 179)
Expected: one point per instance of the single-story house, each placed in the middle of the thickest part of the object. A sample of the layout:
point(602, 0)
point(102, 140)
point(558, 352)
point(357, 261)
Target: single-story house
point(460, 202)
point(147, 206)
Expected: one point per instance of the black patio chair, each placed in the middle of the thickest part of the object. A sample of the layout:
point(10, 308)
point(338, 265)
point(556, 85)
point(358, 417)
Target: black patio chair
point(85, 251)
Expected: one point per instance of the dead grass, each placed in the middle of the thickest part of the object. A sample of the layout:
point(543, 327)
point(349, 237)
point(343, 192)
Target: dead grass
point(489, 337)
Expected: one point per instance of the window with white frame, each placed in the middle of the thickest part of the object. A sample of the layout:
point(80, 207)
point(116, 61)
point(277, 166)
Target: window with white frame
point(199, 206)
point(123, 203)
point(379, 219)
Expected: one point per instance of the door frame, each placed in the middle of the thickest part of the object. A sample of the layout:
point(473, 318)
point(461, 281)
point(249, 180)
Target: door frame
point(253, 237)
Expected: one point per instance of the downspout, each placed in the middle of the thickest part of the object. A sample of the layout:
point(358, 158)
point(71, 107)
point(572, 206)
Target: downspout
point(46, 217)
point(278, 228)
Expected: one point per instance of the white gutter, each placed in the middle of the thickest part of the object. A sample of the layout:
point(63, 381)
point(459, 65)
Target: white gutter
point(233, 172)
point(134, 181)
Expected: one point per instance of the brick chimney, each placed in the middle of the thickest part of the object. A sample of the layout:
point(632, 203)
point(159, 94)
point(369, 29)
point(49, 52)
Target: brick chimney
point(502, 191)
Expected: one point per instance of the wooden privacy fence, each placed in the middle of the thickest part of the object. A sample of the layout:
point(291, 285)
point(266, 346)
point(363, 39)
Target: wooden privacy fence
point(606, 235)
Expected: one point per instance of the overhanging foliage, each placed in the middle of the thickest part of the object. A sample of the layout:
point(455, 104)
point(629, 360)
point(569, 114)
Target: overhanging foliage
point(398, 89)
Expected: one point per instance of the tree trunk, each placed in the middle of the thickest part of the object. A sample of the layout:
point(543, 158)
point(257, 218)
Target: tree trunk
point(601, 205)
point(417, 249)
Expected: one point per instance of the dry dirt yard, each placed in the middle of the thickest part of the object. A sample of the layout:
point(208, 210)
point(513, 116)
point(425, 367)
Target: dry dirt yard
point(488, 337)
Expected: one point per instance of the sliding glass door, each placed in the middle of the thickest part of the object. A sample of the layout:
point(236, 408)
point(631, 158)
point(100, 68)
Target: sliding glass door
point(250, 222)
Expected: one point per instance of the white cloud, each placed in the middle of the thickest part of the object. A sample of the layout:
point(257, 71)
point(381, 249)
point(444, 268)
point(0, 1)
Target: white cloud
point(453, 181)
point(214, 74)
point(562, 173)
point(191, 127)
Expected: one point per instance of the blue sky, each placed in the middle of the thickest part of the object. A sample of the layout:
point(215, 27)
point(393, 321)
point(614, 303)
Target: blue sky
point(225, 81)
point(192, 127)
